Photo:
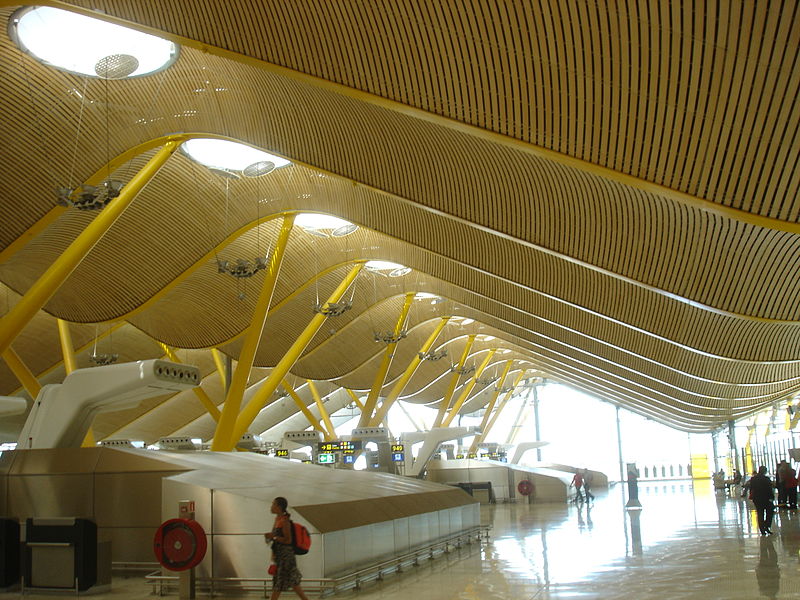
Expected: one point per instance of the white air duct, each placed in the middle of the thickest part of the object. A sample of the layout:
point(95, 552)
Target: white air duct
point(12, 405)
point(63, 413)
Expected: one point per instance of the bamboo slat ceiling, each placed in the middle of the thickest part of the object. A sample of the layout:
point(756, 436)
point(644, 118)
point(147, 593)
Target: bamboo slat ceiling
point(611, 190)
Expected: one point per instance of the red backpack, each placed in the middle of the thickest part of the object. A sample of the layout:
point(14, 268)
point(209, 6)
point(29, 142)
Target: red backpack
point(301, 539)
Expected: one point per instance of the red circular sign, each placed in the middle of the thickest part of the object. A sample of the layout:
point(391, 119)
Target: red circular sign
point(180, 544)
point(525, 487)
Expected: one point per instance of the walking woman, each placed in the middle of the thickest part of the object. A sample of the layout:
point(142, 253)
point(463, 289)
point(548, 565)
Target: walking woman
point(286, 576)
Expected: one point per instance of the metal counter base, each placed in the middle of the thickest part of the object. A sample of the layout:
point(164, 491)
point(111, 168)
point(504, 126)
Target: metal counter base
point(471, 539)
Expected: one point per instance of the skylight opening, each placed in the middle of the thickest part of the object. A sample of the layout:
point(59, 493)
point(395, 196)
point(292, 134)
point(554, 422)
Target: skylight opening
point(386, 268)
point(232, 157)
point(79, 44)
point(324, 225)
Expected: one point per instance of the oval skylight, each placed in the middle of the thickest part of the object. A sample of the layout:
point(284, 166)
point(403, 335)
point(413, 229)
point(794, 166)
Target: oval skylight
point(86, 46)
point(231, 156)
point(384, 267)
point(428, 296)
point(324, 225)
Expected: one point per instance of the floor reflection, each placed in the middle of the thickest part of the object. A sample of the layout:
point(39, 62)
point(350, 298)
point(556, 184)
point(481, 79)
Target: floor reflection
point(686, 542)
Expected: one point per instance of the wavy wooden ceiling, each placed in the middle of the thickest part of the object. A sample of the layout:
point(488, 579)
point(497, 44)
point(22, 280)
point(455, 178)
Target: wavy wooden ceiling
point(611, 190)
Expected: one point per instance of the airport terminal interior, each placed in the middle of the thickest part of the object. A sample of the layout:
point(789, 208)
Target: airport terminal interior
point(437, 272)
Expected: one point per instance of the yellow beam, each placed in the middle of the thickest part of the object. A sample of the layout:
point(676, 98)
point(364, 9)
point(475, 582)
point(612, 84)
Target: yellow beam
point(489, 407)
point(468, 389)
point(223, 377)
point(401, 383)
point(451, 388)
point(303, 408)
point(383, 368)
point(88, 439)
point(207, 403)
point(233, 399)
point(259, 400)
point(330, 434)
point(67, 349)
point(353, 395)
point(201, 394)
point(503, 403)
point(169, 352)
point(22, 373)
point(44, 288)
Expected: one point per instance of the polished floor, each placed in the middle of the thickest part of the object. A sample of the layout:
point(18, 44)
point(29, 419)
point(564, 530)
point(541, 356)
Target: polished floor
point(686, 542)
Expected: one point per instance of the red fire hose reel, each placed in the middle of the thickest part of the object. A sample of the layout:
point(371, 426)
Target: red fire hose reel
point(525, 487)
point(180, 544)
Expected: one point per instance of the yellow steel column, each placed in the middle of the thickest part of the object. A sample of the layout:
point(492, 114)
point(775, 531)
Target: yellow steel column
point(233, 400)
point(67, 349)
point(201, 394)
point(220, 367)
point(259, 400)
point(331, 433)
point(44, 288)
point(353, 395)
point(467, 389)
point(451, 388)
point(22, 373)
point(398, 387)
point(303, 408)
point(388, 354)
point(502, 405)
point(498, 390)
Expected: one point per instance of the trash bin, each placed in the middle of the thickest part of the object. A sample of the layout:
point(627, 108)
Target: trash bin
point(60, 553)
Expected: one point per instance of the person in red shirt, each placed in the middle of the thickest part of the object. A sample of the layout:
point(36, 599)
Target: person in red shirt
point(577, 481)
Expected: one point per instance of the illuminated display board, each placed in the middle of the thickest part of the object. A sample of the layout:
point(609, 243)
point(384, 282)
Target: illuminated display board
point(398, 456)
point(326, 458)
point(398, 448)
point(339, 446)
point(349, 459)
point(282, 452)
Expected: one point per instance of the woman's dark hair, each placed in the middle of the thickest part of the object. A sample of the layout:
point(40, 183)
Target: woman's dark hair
point(282, 503)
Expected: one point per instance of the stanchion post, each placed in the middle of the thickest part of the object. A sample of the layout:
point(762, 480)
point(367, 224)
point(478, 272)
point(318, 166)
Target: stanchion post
point(186, 579)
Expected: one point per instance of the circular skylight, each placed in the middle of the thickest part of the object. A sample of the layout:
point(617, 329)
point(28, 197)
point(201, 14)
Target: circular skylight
point(231, 156)
point(428, 296)
point(86, 46)
point(384, 267)
point(324, 225)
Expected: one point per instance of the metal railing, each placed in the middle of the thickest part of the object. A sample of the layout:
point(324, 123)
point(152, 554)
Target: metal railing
point(165, 584)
